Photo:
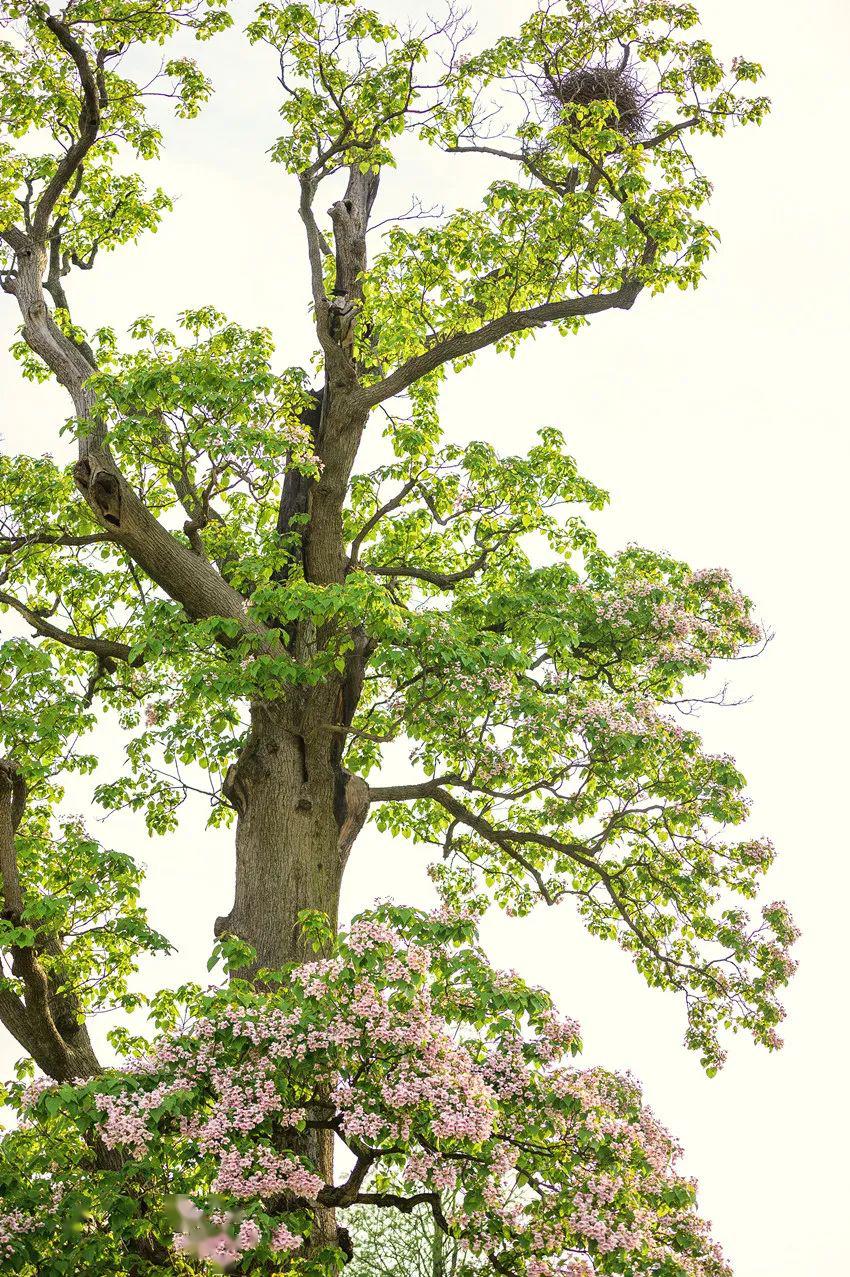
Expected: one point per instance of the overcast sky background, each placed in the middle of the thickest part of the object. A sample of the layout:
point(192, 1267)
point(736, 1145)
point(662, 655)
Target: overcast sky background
point(718, 420)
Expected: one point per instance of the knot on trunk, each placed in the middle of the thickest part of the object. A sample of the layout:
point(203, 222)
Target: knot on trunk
point(341, 316)
point(222, 926)
point(250, 769)
point(345, 1243)
point(233, 789)
point(101, 488)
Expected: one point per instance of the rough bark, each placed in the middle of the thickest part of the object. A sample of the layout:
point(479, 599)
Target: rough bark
point(298, 813)
point(286, 838)
point(298, 810)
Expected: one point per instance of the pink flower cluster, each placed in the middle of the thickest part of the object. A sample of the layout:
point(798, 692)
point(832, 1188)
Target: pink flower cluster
point(556, 1036)
point(641, 718)
point(214, 1240)
point(12, 1224)
point(711, 619)
point(35, 1090)
point(127, 1115)
point(264, 1173)
point(412, 1052)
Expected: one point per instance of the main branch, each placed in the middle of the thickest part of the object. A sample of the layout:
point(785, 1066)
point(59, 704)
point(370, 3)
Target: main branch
point(515, 321)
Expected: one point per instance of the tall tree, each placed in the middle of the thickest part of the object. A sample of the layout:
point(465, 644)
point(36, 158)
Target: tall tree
point(262, 619)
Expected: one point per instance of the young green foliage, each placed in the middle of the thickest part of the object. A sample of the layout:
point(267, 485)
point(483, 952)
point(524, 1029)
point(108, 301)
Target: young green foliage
point(260, 619)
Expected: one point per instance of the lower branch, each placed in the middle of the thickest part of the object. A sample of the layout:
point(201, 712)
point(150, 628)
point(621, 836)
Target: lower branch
point(405, 1204)
point(44, 1021)
point(106, 649)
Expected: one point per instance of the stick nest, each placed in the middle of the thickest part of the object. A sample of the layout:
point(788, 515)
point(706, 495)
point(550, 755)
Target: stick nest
point(586, 85)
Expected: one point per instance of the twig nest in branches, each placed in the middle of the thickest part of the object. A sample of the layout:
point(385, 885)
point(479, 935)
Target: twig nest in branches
point(586, 85)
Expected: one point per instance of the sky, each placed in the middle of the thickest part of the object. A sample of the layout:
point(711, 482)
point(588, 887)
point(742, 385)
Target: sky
point(718, 421)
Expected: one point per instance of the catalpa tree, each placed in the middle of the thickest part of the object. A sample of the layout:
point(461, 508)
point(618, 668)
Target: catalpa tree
point(261, 619)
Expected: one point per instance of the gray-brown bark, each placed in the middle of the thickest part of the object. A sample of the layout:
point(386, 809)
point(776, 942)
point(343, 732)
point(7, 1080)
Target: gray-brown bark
point(298, 813)
point(44, 1020)
point(286, 836)
point(298, 810)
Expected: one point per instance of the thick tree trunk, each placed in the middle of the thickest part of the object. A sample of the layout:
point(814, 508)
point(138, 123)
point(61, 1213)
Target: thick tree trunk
point(287, 857)
point(298, 814)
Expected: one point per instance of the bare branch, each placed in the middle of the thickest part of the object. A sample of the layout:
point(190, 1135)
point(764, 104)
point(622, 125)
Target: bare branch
point(373, 521)
point(444, 580)
point(410, 793)
point(405, 1204)
point(503, 839)
point(11, 545)
point(89, 125)
point(522, 157)
point(509, 841)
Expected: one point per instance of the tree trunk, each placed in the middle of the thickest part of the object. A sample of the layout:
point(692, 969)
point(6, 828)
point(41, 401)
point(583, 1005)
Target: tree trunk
point(438, 1268)
point(298, 813)
point(298, 810)
point(287, 835)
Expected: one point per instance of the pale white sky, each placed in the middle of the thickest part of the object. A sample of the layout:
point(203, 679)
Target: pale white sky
point(718, 422)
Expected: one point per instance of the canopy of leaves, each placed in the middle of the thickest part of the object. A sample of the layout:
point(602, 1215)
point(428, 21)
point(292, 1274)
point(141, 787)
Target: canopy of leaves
point(540, 698)
point(537, 682)
point(44, 125)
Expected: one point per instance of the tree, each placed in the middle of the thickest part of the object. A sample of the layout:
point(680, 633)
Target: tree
point(398, 1245)
point(215, 575)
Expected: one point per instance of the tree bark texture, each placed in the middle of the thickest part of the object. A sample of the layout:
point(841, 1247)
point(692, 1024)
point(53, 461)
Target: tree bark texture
point(298, 812)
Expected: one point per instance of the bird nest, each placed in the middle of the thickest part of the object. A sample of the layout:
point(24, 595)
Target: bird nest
point(587, 85)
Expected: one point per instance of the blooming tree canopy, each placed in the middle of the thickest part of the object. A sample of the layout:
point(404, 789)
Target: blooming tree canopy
point(450, 1085)
point(261, 619)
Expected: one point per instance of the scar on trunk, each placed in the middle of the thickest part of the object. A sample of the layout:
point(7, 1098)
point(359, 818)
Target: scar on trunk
point(351, 807)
